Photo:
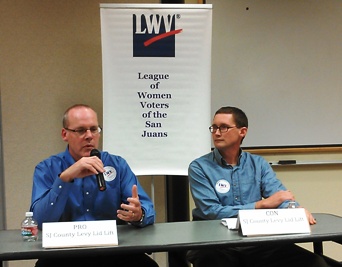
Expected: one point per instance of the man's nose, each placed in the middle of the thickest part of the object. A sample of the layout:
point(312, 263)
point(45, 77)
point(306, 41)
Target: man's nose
point(217, 132)
point(88, 134)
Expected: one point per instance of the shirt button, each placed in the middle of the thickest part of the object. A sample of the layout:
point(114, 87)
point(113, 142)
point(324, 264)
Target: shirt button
point(60, 187)
point(87, 210)
point(87, 193)
point(51, 203)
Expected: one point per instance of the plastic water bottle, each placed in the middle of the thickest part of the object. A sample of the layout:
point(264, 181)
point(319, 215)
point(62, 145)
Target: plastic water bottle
point(29, 228)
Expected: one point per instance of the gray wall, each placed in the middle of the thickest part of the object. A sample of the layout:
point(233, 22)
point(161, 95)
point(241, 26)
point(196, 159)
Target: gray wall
point(281, 62)
point(2, 183)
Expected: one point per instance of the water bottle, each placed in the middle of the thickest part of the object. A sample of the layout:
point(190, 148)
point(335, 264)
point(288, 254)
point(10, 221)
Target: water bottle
point(29, 228)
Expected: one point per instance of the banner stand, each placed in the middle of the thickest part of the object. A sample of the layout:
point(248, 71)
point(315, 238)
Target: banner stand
point(178, 210)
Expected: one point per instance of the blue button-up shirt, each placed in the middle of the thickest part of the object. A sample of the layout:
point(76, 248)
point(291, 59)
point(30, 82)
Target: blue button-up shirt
point(220, 190)
point(54, 200)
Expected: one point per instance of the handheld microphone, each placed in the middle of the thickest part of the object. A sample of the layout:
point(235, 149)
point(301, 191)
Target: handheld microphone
point(99, 177)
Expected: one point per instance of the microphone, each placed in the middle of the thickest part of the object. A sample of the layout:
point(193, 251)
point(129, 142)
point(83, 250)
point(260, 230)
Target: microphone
point(99, 177)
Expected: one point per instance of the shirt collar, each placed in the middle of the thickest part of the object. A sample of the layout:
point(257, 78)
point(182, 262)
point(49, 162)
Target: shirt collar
point(68, 156)
point(221, 161)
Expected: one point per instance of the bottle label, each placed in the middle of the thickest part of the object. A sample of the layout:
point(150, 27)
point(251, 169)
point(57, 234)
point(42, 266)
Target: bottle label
point(29, 231)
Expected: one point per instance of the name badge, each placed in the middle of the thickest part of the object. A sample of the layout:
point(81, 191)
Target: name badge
point(79, 234)
point(273, 222)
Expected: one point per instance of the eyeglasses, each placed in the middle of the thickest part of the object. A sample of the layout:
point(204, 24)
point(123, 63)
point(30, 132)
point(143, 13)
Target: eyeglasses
point(82, 131)
point(223, 128)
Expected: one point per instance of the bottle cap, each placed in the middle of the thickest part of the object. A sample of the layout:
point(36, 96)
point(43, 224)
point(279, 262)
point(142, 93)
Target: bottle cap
point(29, 214)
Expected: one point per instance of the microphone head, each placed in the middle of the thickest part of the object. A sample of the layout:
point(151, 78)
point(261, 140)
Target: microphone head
point(96, 153)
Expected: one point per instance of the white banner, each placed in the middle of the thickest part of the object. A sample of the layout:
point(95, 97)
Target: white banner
point(156, 84)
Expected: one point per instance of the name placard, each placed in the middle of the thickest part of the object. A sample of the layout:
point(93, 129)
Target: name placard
point(273, 221)
point(79, 234)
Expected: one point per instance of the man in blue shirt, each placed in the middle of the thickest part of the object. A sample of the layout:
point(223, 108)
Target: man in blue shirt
point(65, 189)
point(228, 180)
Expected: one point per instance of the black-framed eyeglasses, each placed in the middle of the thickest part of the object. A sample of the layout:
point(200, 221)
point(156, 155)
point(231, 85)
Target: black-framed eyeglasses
point(82, 131)
point(222, 128)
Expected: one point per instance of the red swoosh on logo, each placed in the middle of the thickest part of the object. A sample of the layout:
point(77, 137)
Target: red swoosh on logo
point(161, 36)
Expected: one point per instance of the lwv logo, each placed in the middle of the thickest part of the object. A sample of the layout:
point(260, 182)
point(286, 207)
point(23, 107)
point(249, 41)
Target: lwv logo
point(154, 35)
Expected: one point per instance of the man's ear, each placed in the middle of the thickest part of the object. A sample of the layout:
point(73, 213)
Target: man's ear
point(64, 135)
point(243, 131)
